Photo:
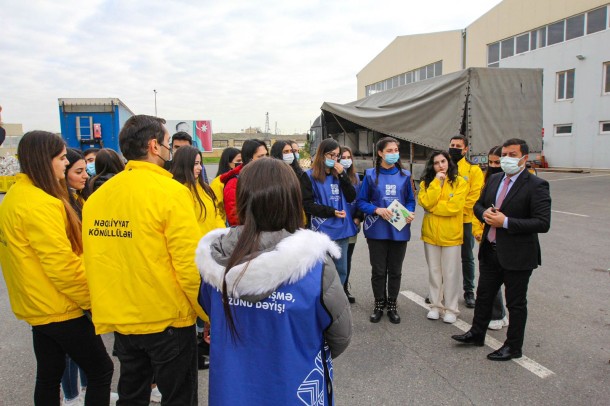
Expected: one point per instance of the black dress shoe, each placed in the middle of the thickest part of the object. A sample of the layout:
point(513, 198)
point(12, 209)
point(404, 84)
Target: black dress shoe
point(469, 299)
point(394, 316)
point(203, 362)
point(504, 353)
point(350, 298)
point(469, 338)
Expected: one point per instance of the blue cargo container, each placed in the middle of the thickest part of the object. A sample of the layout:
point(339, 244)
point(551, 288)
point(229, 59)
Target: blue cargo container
point(92, 122)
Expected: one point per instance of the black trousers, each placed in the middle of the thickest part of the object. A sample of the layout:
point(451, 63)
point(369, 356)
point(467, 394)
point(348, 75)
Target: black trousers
point(491, 278)
point(171, 356)
point(76, 338)
point(386, 258)
point(350, 253)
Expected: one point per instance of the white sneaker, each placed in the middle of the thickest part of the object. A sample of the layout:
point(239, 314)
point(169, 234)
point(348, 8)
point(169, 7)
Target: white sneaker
point(73, 402)
point(113, 398)
point(155, 395)
point(433, 315)
point(495, 325)
point(449, 318)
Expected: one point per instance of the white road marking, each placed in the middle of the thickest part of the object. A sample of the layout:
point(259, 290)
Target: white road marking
point(571, 214)
point(576, 177)
point(491, 342)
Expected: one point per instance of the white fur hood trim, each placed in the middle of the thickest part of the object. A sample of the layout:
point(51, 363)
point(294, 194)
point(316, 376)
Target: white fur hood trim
point(289, 262)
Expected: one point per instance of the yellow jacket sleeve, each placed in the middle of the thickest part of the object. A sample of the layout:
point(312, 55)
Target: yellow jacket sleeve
point(428, 196)
point(46, 232)
point(454, 203)
point(477, 227)
point(475, 183)
point(182, 234)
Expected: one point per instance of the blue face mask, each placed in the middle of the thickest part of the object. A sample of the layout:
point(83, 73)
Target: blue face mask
point(91, 168)
point(296, 154)
point(330, 163)
point(391, 159)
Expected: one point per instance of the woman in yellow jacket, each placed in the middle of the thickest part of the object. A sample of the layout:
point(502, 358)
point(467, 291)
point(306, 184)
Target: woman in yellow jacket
point(442, 194)
point(40, 253)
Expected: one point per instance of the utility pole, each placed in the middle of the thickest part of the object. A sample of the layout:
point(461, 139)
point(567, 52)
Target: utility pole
point(267, 129)
point(155, 91)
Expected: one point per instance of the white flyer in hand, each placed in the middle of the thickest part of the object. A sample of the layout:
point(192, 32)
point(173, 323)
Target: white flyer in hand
point(399, 215)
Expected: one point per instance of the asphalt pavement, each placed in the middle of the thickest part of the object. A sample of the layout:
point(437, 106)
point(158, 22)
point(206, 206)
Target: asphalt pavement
point(567, 343)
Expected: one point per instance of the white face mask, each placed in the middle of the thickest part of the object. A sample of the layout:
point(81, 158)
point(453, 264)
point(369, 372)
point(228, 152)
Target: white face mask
point(288, 158)
point(346, 163)
point(510, 165)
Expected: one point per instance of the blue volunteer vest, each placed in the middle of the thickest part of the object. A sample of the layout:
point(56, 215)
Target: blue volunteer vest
point(329, 194)
point(280, 357)
point(389, 188)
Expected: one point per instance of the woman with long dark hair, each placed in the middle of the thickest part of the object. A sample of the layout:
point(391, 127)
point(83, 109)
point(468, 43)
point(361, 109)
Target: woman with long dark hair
point(442, 195)
point(107, 164)
point(251, 150)
point(187, 169)
point(284, 151)
point(274, 297)
point(44, 273)
point(327, 194)
point(381, 186)
point(229, 160)
point(347, 161)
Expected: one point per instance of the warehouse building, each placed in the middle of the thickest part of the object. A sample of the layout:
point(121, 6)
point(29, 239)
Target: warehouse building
point(569, 40)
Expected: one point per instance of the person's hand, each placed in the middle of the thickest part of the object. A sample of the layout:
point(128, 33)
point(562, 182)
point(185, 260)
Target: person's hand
point(494, 217)
point(441, 176)
point(410, 218)
point(206, 332)
point(340, 214)
point(385, 214)
point(338, 167)
point(478, 237)
point(357, 222)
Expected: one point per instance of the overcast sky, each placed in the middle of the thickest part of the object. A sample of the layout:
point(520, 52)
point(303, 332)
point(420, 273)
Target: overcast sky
point(227, 61)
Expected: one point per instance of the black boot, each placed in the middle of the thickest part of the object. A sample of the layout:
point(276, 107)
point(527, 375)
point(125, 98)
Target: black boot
point(350, 298)
point(378, 310)
point(392, 312)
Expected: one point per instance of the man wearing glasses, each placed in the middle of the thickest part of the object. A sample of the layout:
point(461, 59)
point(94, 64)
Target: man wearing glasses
point(139, 243)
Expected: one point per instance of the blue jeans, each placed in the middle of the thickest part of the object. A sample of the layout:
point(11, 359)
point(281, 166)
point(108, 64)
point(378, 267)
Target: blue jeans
point(69, 381)
point(341, 263)
point(468, 258)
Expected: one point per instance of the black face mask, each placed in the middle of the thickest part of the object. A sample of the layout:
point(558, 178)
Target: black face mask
point(167, 165)
point(455, 154)
point(494, 169)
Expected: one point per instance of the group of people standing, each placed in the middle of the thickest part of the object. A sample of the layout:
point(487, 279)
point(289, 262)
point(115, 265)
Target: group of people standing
point(256, 261)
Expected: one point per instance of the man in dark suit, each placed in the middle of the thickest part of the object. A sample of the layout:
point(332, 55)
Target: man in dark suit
point(514, 206)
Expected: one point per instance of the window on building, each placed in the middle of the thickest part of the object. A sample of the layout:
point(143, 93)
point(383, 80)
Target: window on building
point(430, 71)
point(563, 130)
point(438, 68)
point(556, 32)
point(422, 73)
point(533, 40)
point(542, 37)
point(395, 81)
point(607, 78)
point(388, 84)
point(596, 20)
point(523, 43)
point(493, 53)
point(565, 85)
point(575, 27)
point(507, 48)
point(604, 127)
point(409, 77)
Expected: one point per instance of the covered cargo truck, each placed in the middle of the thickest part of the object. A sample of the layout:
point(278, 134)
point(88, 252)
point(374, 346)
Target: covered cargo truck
point(487, 105)
point(92, 122)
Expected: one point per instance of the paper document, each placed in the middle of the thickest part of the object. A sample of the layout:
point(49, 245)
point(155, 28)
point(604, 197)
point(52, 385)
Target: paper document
point(399, 215)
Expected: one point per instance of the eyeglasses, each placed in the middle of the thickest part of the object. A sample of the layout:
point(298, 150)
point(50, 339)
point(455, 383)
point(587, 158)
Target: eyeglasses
point(331, 156)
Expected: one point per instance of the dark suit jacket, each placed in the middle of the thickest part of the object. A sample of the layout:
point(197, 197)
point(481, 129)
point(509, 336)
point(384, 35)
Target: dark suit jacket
point(528, 208)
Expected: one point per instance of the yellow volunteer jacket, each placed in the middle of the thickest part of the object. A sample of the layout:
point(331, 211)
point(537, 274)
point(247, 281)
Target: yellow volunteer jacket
point(475, 180)
point(442, 224)
point(213, 219)
point(140, 234)
point(45, 279)
point(218, 187)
